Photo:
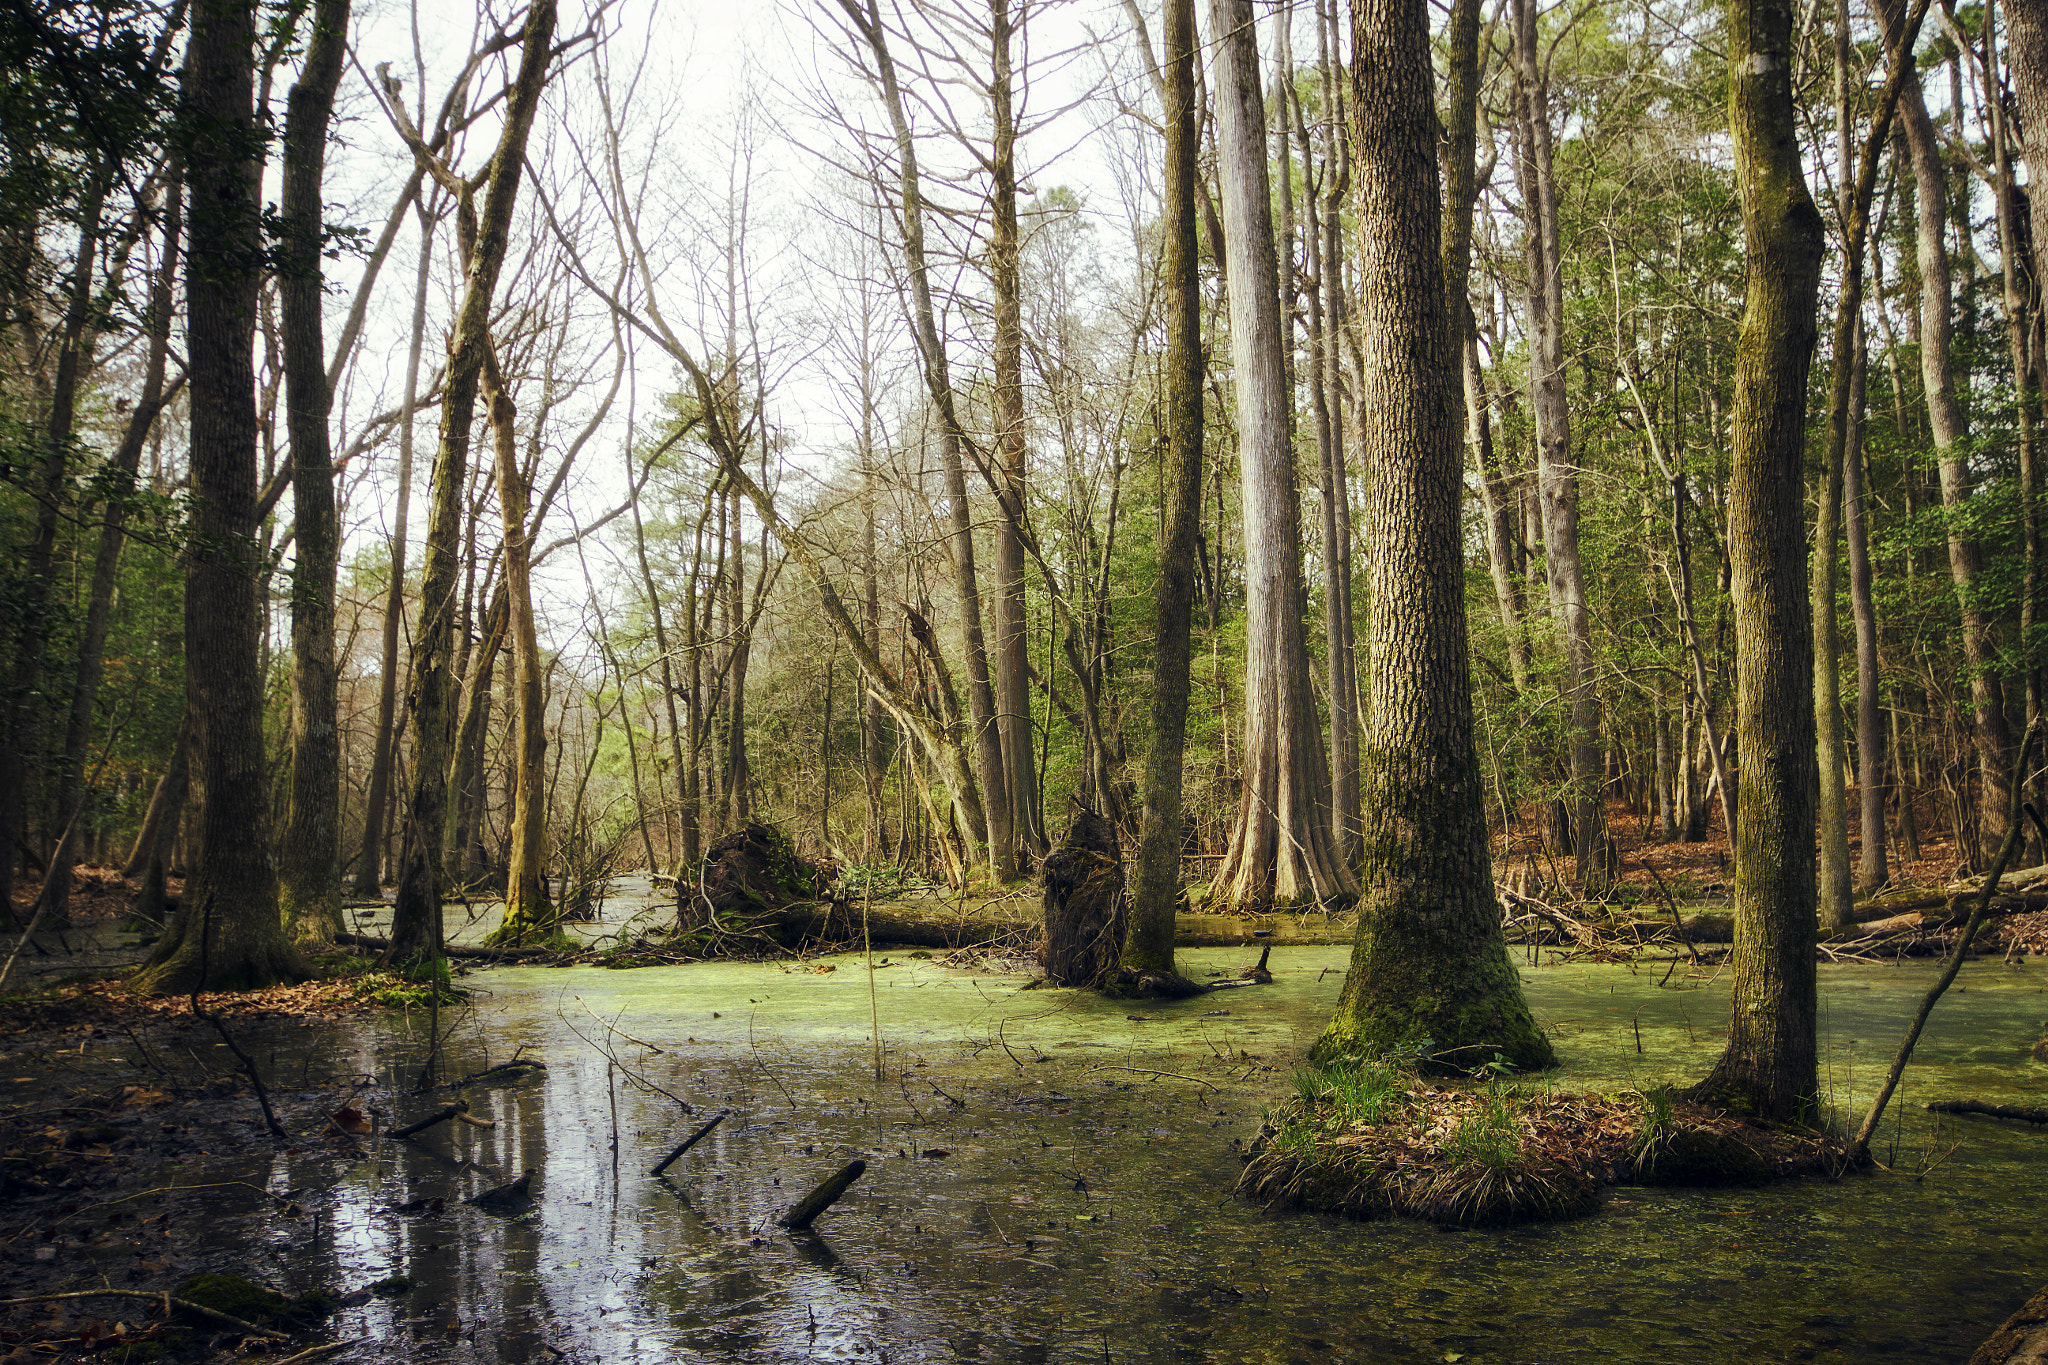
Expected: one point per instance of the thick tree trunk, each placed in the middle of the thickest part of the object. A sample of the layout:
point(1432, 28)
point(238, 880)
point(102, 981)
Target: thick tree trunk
point(1429, 961)
point(384, 756)
point(1148, 946)
point(416, 918)
point(228, 930)
point(1012, 661)
point(1282, 850)
point(309, 857)
point(1769, 1065)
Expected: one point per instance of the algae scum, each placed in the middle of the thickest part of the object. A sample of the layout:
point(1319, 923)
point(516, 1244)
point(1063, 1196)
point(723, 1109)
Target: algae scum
point(1037, 1189)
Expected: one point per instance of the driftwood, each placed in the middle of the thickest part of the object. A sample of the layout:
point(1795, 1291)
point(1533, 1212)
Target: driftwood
point(687, 1143)
point(824, 1197)
point(1997, 1111)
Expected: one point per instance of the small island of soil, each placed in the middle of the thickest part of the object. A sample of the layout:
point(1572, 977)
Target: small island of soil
point(1372, 1139)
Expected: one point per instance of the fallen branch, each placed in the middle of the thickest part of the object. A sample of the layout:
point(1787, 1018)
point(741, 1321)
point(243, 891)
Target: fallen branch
point(687, 1143)
point(1859, 1147)
point(457, 1110)
point(226, 1319)
point(1997, 1111)
point(1145, 1071)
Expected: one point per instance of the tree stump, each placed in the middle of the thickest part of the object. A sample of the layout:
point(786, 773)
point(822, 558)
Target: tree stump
point(1086, 910)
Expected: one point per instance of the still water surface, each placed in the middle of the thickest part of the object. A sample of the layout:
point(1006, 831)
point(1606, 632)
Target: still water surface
point(1080, 1212)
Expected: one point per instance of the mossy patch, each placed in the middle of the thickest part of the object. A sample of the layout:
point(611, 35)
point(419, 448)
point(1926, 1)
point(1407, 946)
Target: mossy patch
point(1373, 1139)
point(252, 1302)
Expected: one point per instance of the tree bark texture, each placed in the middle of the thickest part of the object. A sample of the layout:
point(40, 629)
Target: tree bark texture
point(1012, 659)
point(1149, 943)
point(309, 856)
point(1429, 961)
point(416, 917)
point(1282, 851)
point(230, 914)
point(1769, 1065)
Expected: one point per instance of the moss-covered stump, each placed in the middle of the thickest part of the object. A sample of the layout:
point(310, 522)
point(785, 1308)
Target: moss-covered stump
point(1371, 1140)
point(1086, 910)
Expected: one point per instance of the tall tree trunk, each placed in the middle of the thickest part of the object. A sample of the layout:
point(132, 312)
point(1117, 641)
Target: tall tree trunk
point(1871, 873)
point(126, 461)
point(1012, 659)
point(416, 918)
point(32, 614)
point(993, 800)
point(309, 857)
point(384, 755)
point(1950, 430)
point(1148, 941)
point(1429, 960)
point(1769, 1066)
point(1282, 851)
point(228, 930)
point(1557, 477)
point(529, 916)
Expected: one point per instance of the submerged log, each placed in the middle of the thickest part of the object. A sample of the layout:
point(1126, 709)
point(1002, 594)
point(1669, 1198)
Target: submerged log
point(1085, 906)
point(2021, 1112)
point(823, 1197)
point(457, 1110)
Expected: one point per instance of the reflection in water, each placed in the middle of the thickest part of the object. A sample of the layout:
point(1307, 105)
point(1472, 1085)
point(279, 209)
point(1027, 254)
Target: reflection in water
point(1078, 1212)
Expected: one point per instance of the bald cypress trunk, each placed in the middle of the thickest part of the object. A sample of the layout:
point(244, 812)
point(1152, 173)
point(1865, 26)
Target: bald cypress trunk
point(1769, 1065)
point(1429, 961)
point(1148, 944)
point(1282, 849)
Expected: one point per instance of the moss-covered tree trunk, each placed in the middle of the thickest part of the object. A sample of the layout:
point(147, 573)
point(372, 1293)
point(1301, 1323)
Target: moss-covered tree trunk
point(1429, 961)
point(416, 916)
point(1768, 1067)
point(1148, 946)
point(228, 930)
point(309, 856)
point(1282, 849)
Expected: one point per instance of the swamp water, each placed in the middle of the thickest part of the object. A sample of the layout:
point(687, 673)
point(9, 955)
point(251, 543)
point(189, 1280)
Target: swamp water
point(1080, 1209)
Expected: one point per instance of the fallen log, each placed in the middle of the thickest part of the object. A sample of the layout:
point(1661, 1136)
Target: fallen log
point(154, 1296)
point(824, 1197)
point(1998, 1111)
point(451, 949)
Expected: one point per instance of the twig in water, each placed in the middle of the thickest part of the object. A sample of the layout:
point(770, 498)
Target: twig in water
point(248, 1065)
point(1146, 1071)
